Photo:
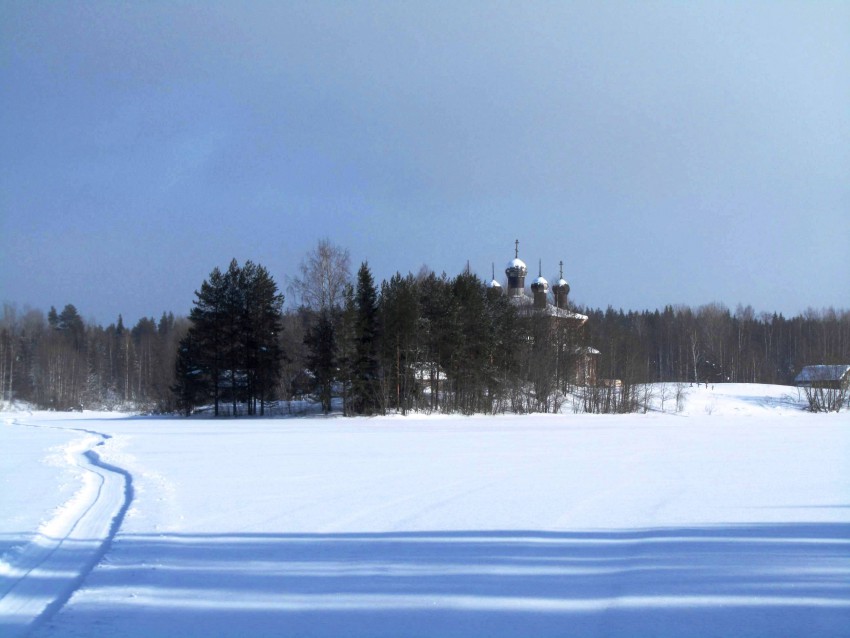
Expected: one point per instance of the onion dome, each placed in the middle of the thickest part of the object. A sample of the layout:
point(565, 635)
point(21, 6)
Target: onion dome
point(560, 285)
point(516, 272)
point(561, 290)
point(494, 285)
point(540, 285)
point(516, 268)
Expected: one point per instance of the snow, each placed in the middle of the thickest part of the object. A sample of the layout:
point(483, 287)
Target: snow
point(731, 517)
point(517, 264)
point(525, 305)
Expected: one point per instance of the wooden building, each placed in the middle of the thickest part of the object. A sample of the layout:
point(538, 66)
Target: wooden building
point(832, 377)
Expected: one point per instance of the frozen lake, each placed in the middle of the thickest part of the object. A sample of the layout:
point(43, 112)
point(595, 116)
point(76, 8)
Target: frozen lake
point(729, 518)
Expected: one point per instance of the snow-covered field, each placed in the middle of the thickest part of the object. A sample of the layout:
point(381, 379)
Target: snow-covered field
point(729, 518)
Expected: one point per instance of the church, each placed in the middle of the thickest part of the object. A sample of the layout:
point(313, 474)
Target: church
point(539, 305)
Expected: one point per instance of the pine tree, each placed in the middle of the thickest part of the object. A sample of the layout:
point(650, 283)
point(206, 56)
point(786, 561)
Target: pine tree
point(235, 330)
point(261, 327)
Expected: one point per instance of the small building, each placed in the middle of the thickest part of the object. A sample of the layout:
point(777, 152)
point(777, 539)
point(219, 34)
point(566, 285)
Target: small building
point(832, 377)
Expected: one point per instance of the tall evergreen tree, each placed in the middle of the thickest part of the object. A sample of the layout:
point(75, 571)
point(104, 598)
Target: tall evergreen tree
point(321, 358)
point(366, 383)
point(208, 330)
point(261, 327)
point(191, 385)
point(470, 358)
point(236, 321)
point(400, 316)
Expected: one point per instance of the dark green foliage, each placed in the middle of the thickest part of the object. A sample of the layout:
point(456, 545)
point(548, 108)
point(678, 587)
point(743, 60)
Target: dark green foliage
point(439, 334)
point(469, 365)
point(426, 342)
point(234, 337)
point(190, 386)
point(400, 352)
point(71, 324)
point(261, 326)
point(447, 345)
point(322, 357)
point(366, 390)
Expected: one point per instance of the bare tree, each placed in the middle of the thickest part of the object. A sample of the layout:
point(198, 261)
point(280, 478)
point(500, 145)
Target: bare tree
point(323, 274)
point(826, 388)
point(680, 397)
point(663, 393)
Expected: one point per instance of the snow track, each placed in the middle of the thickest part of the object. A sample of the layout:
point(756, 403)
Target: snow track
point(38, 579)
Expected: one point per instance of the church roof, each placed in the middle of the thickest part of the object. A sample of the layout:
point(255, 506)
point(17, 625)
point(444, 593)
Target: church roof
point(525, 306)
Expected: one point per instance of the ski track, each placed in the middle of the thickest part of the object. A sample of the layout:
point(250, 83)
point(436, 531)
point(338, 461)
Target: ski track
point(37, 582)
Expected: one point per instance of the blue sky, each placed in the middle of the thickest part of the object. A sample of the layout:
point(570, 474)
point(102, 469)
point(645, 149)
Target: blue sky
point(668, 152)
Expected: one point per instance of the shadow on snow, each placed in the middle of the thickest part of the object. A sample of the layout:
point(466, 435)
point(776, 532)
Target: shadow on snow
point(778, 580)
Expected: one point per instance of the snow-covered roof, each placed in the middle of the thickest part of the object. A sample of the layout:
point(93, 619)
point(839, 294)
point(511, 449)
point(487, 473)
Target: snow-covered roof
point(525, 306)
point(494, 284)
point(586, 350)
point(554, 311)
point(822, 373)
point(561, 283)
point(517, 264)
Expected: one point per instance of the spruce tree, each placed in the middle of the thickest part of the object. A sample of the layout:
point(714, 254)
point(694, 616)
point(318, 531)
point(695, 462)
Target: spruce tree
point(321, 358)
point(191, 383)
point(366, 384)
point(208, 331)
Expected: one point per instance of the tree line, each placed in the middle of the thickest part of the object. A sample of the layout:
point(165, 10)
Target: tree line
point(423, 342)
point(61, 362)
point(713, 344)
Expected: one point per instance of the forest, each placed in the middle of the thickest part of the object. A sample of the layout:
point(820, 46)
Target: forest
point(416, 342)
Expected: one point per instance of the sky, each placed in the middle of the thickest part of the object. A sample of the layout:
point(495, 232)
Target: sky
point(666, 152)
